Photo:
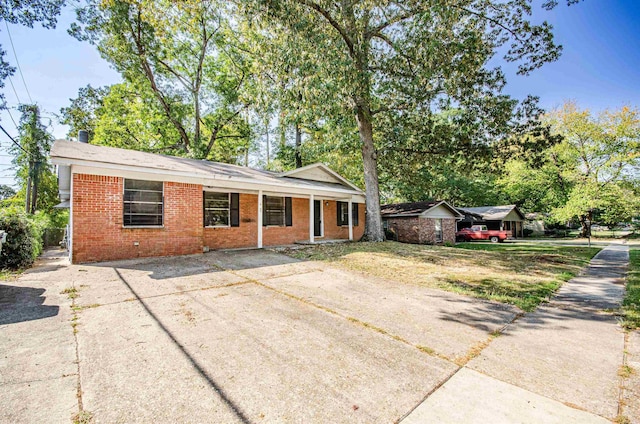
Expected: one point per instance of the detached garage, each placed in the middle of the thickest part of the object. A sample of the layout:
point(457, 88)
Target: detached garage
point(431, 222)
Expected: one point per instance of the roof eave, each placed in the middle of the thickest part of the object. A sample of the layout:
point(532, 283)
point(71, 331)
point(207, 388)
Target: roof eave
point(59, 160)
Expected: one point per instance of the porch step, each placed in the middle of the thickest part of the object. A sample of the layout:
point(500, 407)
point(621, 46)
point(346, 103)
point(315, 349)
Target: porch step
point(323, 241)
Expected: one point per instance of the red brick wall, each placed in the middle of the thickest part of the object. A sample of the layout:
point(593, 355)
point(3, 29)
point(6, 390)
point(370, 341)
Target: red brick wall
point(98, 234)
point(246, 235)
point(276, 236)
point(421, 230)
point(331, 228)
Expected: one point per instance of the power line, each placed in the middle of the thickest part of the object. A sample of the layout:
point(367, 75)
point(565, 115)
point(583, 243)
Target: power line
point(11, 138)
point(14, 89)
point(18, 63)
point(12, 120)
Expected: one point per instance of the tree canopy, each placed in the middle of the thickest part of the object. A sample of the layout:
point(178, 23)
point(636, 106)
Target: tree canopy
point(175, 56)
point(396, 59)
point(592, 172)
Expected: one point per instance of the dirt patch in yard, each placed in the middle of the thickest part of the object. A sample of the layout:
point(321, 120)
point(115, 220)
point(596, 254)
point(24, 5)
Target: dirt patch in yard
point(521, 275)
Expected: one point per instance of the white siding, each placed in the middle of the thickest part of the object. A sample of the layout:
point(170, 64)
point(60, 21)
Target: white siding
point(440, 211)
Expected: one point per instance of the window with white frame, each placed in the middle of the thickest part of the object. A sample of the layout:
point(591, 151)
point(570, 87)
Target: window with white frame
point(343, 214)
point(143, 203)
point(274, 210)
point(217, 208)
point(438, 229)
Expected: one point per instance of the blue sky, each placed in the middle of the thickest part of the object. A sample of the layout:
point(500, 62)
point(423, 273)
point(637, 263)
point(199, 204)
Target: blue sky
point(599, 68)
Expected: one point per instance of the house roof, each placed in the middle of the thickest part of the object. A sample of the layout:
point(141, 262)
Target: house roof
point(66, 152)
point(414, 208)
point(492, 213)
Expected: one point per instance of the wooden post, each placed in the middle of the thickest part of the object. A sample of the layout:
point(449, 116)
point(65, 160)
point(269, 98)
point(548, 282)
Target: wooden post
point(260, 206)
point(311, 220)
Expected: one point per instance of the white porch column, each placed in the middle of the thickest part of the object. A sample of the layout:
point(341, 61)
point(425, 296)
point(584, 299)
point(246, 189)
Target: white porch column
point(311, 220)
point(350, 220)
point(260, 206)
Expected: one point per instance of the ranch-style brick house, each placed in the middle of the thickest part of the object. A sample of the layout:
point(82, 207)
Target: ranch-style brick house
point(128, 204)
point(432, 222)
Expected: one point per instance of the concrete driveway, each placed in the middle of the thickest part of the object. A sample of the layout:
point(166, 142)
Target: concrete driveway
point(248, 336)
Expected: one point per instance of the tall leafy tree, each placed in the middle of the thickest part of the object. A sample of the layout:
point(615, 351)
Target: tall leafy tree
point(591, 173)
point(602, 161)
point(82, 112)
point(176, 52)
point(388, 57)
point(33, 170)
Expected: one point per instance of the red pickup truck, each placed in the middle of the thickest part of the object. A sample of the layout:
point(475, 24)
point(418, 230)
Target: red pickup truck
point(480, 232)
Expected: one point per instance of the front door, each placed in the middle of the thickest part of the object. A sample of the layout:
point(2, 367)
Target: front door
point(317, 221)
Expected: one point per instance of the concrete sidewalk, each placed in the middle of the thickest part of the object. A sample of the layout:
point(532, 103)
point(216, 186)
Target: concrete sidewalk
point(557, 364)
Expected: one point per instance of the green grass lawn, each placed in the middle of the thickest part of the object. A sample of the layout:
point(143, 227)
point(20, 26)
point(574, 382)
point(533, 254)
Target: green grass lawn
point(522, 275)
point(631, 303)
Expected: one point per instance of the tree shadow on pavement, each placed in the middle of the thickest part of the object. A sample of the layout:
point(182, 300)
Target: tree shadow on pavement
point(237, 411)
point(19, 304)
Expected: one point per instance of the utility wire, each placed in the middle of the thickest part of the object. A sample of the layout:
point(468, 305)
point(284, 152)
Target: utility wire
point(14, 89)
point(13, 120)
point(14, 142)
point(18, 63)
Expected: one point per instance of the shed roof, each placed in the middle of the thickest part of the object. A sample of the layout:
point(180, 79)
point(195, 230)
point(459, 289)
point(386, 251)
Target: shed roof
point(493, 213)
point(414, 208)
point(66, 152)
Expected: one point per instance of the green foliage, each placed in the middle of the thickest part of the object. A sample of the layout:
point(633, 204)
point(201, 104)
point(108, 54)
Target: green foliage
point(387, 64)
point(24, 238)
point(6, 192)
point(603, 160)
point(32, 162)
point(81, 114)
point(183, 77)
point(591, 175)
point(631, 302)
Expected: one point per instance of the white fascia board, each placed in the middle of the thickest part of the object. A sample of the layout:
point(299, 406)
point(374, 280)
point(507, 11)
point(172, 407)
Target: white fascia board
point(247, 184)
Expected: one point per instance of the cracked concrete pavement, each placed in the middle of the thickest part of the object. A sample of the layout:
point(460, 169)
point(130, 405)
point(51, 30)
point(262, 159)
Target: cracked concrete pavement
point(255, 336)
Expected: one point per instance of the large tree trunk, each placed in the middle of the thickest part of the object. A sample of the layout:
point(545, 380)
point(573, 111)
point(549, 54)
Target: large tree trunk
point(373, 229)
point(298, 144)
point(585, 223)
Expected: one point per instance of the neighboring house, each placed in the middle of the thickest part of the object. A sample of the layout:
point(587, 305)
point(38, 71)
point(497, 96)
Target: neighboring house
point(421, 222)
point(505, 218)
point(128, 204)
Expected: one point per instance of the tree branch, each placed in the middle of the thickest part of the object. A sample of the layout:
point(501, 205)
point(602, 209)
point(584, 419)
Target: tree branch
point(332, 22)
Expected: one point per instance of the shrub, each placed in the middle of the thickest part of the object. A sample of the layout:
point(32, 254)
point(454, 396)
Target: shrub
point(24, 239)
point(527, 232)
